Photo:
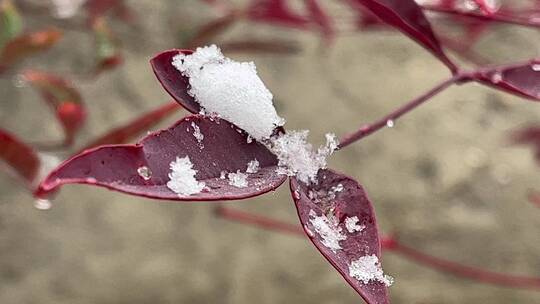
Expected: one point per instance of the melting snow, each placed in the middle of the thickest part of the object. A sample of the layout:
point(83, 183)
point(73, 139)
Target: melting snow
point(296, 155)
point(351, 223)
point(328, 228)
point(230, 89)
point(182, 177)
point(253, 166)
point(238, 179)
point(367, 269)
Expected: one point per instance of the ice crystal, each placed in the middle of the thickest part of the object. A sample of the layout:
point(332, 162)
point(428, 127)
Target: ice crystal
point(253, 166)
point(238, 179)
point(197, 133)
point(223, 175)
point(327, 226)
point(182, 177)
point(231, 90)
point(367, 269)
point(351, 223)
point(296, 155)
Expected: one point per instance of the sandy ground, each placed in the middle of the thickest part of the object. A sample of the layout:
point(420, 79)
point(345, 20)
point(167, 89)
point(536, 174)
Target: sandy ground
point(443, 178)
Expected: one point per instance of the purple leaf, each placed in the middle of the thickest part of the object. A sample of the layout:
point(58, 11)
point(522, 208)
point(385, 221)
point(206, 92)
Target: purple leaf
point(522, 79)
point(337, 199)
point(224, 148)
point(172, 80)
point(408, 17)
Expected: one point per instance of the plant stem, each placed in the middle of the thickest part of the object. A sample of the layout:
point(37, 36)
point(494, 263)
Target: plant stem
point(391, 244)
point(394, 115)
point(472, 273)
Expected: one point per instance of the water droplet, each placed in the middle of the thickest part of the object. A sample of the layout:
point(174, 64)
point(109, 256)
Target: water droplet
point(536, 67)
point(496, 77)
point(390, 123)
point(308, 231)
point(91, 180)
point(19, 81)
point(42, 204)
point(144, 172)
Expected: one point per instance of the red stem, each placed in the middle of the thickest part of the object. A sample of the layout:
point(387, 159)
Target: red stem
point(392, 245)
point(491, 18)
point(457, 269)
point(392, 117)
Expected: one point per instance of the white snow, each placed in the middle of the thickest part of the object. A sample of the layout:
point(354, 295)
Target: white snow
point(351, 223)
point(367, 269)
point(253, 166)
point(223, 175)
point(231, 90)
point(197, 133)
point(296, 155)
point(238, 179)
point(328, 228)
point(182, 177)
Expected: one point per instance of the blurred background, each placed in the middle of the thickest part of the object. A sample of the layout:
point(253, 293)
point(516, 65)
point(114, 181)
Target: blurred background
point(444, 179)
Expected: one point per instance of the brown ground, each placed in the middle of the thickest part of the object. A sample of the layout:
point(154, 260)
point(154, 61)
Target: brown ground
point(443, 178)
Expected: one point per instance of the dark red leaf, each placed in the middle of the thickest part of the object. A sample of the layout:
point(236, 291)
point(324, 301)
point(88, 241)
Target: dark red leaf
point(283, 47)
point(522, 79)
point(116, 166)
point(325, 199)
point(26, 45)
point(21, 157)
point(172, 80)
point(276, 11)
point(407, 17)
point(141, 124)
point(62, 97)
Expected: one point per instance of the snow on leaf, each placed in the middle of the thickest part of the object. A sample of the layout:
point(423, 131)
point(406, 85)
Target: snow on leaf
point(368, 269)
point(116, 167)
point(232, 90)
point(351, 201)
point(182, 177)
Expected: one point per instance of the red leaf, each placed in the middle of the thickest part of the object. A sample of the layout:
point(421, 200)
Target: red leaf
point(21, 157)
point(408, 17)
point(26, 45)
point(141, 124)
point(225, 149)
point(326, 200)
point(172, 80)
point(62, 97)
point(522, 79)
point(276, 11)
